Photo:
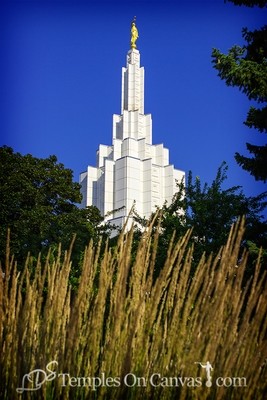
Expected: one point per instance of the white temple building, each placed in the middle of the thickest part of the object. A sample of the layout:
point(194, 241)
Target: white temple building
point(132, 169)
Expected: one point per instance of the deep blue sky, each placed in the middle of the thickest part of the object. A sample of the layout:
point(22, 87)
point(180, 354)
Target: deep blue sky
point(61, 80)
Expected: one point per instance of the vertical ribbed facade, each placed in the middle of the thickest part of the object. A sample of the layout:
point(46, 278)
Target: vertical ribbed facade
point(132, 169)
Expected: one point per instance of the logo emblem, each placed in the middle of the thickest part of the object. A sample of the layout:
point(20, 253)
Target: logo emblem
point(208, 368)
point(37, 377)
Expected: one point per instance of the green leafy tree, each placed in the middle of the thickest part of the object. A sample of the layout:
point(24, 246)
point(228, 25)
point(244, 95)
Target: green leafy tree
point(246, 68)
point(249, 3)
point(39, 204)
point(210, 211)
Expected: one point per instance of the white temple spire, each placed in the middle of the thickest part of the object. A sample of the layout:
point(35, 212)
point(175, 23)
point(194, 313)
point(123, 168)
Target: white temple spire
point(132, 169)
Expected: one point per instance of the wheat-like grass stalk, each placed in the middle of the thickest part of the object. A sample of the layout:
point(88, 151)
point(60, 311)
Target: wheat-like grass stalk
point(122, 320)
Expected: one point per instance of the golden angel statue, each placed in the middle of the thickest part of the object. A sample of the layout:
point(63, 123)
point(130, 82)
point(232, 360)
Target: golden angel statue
point(134, 35)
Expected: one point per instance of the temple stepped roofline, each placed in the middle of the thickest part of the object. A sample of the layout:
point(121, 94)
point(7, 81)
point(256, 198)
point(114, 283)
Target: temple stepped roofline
point(131, 170)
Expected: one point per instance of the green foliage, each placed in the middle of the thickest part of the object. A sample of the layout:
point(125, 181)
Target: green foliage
point(248, 3)
point(210, 211)
point(39, 204)
point(246, 68)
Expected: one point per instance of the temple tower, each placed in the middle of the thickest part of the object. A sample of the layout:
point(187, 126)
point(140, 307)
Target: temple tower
point(132, 169)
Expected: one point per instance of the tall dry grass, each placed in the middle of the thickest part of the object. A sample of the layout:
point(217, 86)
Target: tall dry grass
point(124, 336)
